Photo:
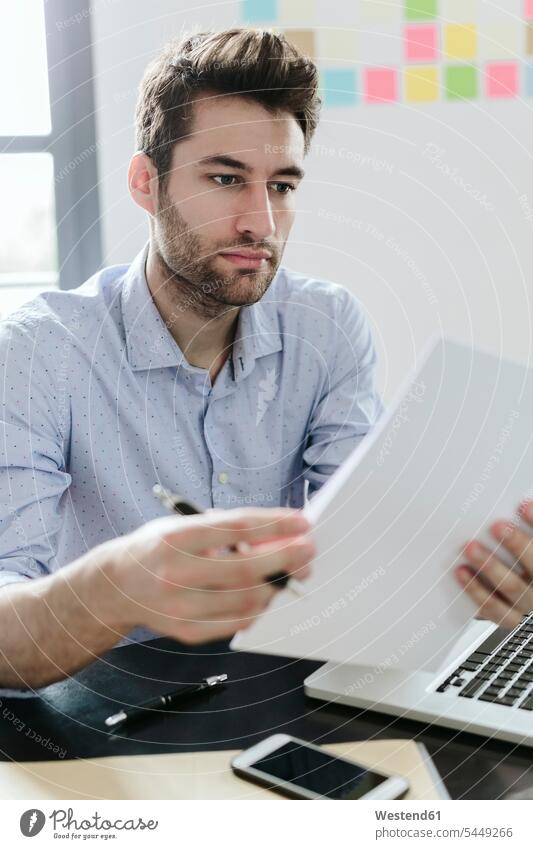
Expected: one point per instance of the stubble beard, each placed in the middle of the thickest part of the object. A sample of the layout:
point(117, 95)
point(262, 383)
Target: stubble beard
point(187, 265)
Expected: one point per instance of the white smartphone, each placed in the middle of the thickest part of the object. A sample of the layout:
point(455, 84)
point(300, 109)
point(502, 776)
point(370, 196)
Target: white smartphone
point(304, 771)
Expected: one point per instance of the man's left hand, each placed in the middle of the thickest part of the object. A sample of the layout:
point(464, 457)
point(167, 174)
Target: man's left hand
point(501, 594)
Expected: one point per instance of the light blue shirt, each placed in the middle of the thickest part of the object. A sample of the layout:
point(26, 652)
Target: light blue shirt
point(99, 404)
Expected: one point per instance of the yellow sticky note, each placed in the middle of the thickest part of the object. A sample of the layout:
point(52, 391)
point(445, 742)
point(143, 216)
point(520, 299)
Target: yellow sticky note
point(460, 41)
point(421, 84)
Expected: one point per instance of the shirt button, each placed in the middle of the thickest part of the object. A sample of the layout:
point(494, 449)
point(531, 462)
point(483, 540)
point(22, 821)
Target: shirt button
point(223, 477)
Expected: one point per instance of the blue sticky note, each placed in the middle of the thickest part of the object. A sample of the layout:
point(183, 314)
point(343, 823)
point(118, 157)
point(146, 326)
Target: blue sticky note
point(338, 87)
point(529, 80)
point(259, 11)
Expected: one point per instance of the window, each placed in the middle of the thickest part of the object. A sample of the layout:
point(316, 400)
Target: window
point(49, 203)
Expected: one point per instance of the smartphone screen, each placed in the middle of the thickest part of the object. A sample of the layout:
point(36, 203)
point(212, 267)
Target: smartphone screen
point(319, 772)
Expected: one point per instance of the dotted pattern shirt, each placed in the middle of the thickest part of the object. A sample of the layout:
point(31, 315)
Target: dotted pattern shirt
point(98, 403)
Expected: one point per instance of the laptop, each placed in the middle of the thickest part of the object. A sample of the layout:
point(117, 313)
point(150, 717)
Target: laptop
point(485, 685)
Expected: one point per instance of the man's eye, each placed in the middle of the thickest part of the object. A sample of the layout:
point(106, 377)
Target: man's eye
point(284, 188)
point(224, 178)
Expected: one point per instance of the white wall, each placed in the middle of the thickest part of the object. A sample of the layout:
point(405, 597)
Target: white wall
point(425, 213)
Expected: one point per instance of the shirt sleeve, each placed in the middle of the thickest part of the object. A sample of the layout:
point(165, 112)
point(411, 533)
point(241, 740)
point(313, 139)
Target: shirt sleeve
point(33, 478)
point(349, 404)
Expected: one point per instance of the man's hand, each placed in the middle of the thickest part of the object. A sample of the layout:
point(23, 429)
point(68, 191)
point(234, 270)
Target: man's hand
point(182, 577)
point(502, 595)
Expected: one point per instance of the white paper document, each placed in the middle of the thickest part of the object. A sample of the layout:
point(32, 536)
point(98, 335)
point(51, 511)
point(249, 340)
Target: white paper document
point(453, 453)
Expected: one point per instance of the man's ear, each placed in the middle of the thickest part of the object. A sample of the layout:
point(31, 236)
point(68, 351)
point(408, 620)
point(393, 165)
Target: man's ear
point(143, 182)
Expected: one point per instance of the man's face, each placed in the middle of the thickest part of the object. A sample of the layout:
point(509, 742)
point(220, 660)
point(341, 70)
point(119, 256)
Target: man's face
point(228, 203)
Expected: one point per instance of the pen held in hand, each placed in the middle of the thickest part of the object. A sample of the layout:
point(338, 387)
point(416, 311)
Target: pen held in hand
point(177, 504)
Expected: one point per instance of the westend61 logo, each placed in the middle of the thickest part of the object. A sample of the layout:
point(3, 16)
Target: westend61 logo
point(65, 824)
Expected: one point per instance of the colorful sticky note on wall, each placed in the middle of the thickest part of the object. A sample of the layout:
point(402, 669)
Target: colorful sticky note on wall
point(337, 44)
point(259, 11)
point(460, 41)
point(501, 79)
point(529, 38)
point(501, 40)
point(528, 11)
point(421, 43)
point(339, 87)
point(459, 11)
point(377, 11)
point(380, 85)
point(421, 84)
point(420, 10)
point(303, 40)
point(460, 81)
point(529, 80)
point(297, 11)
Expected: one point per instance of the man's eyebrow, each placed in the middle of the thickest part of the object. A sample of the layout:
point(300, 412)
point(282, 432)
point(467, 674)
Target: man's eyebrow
point(230, 162)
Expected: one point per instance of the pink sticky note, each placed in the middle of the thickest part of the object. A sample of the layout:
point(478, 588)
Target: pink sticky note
point(421, 43)
point(501, 79)
point(529, 8)
point(380, 85)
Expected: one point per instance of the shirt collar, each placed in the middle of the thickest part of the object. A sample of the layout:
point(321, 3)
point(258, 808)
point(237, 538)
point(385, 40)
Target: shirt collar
point(149, 343)
point(258, 334)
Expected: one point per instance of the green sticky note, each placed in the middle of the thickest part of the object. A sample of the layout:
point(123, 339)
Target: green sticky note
point(420, 10)
point(461, 81)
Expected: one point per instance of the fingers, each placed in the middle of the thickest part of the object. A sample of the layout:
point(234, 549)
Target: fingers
point(195, 633)
point(518, 543)
point(525, 511)
point(234, 570)
point(225, 528)
point(496, 576)
point(490, 606)
point(206, 605)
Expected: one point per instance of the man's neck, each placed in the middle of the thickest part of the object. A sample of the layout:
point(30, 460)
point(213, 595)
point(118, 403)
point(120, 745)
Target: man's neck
point(203, 328)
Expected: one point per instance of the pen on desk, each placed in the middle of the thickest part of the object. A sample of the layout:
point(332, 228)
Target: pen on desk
point(175, 502)
point(162, 702)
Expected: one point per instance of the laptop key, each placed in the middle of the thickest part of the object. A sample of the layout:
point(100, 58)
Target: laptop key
point(492, 667)
point(470, 665)
point(515, 692)
point(484, 675)
point(488, 697)
point(527, 704)
point(500, 683)
point(507, 701)
point(477, 657)
point(471, 688)
point(493, 641)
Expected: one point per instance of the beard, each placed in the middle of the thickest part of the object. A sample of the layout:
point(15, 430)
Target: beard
point(188, 265)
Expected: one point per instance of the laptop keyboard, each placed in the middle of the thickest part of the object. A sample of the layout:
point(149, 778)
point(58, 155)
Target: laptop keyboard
point(499, 671)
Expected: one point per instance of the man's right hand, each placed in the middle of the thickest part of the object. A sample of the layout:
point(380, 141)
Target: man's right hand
point(181, 576)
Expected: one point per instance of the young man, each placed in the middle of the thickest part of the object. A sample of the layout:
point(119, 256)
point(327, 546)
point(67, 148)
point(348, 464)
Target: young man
point(205, 366)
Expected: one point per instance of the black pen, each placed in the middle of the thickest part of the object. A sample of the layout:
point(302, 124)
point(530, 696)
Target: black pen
point(162, 702)
point(186, 508)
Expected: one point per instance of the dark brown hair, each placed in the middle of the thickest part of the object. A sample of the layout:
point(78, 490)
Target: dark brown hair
point(254, 63)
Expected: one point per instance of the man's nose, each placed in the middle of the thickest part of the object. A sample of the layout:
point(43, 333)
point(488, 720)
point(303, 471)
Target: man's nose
point(256, 217)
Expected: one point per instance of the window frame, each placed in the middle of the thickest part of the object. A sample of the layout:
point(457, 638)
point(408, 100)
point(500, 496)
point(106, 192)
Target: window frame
point(71, 142)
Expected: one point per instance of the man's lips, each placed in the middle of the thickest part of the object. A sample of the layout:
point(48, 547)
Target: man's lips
point(246, 259)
